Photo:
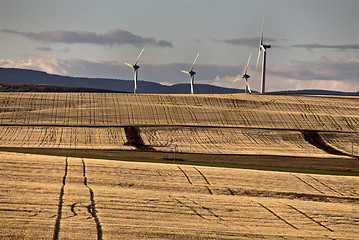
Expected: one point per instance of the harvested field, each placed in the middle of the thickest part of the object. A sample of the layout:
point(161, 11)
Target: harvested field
point(67, 195)
point(214, 124)
point(73, 198)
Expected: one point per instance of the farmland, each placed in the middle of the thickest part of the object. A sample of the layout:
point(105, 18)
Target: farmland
point(67, 192)
point(210, 124)
point(73, 198)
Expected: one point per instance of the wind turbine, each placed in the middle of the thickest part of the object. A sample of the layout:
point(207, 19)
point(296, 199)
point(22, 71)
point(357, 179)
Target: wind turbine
point(191, 73)
point(135, 70)
point(245, 76)
point(264, 48)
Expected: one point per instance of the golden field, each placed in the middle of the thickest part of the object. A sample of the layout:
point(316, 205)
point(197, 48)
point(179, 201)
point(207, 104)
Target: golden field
point(75, 197)
point(210, 124)
point(72, 198)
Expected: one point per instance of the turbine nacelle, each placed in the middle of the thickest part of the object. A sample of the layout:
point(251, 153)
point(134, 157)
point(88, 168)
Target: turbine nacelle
point(246, 76)
point(264, 47)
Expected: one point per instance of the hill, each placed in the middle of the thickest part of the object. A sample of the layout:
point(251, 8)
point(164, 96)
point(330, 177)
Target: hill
point(250, 124)
point(23, 76)
point(18, 87)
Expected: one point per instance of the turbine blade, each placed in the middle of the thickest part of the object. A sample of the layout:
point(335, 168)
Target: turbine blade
point(237, 79)
point(245, 70)
point(186, 72)
point(194, 62)
point(128, 64)
point(138, 57)
point(259, 54)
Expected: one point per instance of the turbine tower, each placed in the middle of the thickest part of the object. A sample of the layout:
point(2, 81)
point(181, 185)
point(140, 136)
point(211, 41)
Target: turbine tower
point(264, 48)
point(245, 76)
point(135, 70)
point(191, 73)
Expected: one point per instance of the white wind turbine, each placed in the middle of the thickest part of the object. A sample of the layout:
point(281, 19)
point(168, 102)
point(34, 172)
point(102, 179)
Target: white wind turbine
point(191, 73)
point(245, 76)
point(135, 70)
point(264, 48)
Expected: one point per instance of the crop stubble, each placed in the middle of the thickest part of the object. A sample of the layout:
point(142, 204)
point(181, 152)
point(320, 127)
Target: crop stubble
point(215, 124)
point(96, 199)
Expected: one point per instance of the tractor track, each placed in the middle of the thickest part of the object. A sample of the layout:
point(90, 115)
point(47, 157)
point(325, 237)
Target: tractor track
point(312, 219)
point(61, 200)
point(92, 207)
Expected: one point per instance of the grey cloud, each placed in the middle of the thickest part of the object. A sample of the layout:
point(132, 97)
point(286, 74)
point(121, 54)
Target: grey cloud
point(322, 69)
point(248, 42)
point(112, 37)
point(318, 46)
point(45, 49)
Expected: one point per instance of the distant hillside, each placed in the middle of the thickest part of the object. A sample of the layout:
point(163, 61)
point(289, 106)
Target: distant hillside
point(23, 76)
point(18, 87)
point(45, 82)
point(320, 92)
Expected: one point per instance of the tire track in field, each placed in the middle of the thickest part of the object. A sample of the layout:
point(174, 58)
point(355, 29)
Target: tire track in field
point(312, 219)
point(277, 216)
point(61, 200)
point(187, 206)
point(205, 208)
point(92, 207)
point(204, 177)
point(325, 185)
point(185, 174)
point(308, 184)
point(198, 209)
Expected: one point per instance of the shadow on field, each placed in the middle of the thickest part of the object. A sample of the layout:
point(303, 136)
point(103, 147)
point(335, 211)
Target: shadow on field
point(134, 139)
point(316, 140)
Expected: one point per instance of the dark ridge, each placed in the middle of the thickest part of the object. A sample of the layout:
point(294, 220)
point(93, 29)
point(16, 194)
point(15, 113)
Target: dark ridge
point(17, 87)
point(318, 92)
point(24, 76)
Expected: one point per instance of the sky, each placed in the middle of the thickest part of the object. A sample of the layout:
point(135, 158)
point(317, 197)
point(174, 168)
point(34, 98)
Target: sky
point(315, 43)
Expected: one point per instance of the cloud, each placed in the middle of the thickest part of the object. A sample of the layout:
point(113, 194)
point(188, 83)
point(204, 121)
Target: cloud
point(48, 63)
point(247, 42)
point(318, 46)
point(45, 49)
point(112, 37)
point(341, 75)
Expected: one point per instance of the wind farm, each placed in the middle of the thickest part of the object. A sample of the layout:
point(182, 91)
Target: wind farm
point(92, 149)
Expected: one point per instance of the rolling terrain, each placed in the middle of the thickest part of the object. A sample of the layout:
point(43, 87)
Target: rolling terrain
point(287, 125)
point(46, 197)
point(72, 196)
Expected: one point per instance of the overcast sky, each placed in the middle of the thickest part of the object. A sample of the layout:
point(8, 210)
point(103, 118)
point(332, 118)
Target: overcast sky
point(315, 43)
